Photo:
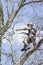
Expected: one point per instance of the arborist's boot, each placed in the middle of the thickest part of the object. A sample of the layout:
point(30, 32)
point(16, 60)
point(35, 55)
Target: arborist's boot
point(24, 49)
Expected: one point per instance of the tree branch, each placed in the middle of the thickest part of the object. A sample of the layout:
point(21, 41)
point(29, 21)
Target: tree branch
point(32, 2)
point(28, 54)
point(14, 14)
point(8, 2)
point(20, 5)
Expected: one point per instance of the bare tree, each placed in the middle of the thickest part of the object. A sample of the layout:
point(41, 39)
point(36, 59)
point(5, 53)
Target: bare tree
point(4, 28)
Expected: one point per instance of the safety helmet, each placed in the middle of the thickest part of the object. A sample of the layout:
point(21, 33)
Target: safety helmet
point(30, 24)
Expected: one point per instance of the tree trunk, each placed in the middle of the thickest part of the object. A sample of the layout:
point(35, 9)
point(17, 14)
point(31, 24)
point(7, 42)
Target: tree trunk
point(1, 28)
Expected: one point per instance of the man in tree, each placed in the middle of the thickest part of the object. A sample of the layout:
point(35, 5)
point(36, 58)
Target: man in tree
point(31, 36)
